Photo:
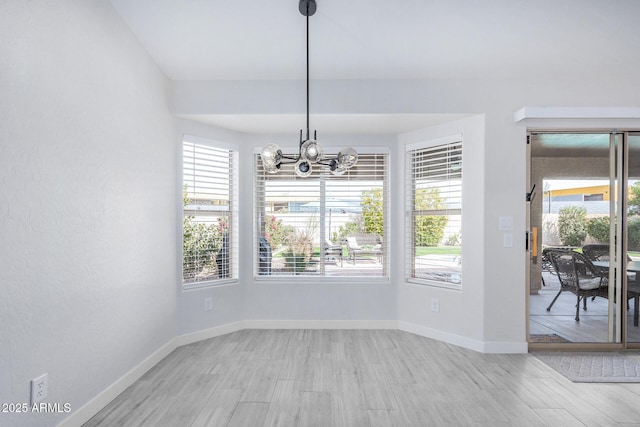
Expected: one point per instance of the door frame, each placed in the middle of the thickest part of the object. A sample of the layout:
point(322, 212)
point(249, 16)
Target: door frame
point(621, 244)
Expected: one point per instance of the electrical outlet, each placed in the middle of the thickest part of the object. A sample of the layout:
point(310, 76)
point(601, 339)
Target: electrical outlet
point(208, 304)
point(435, 305)
point(39, 389)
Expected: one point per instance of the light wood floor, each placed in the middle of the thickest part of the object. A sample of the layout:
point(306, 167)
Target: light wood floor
point(359, 378)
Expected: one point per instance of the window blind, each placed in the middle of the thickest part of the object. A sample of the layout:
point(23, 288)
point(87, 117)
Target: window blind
point(209, 214)
point(322, 225)
point(434, 210)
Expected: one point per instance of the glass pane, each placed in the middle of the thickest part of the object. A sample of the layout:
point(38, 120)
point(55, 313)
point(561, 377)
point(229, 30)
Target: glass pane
point(435, 185)
point(569, 212)
point(291, 225)
point(354, 224)
point(325, 224)
point(208, 206)
point(633, 240)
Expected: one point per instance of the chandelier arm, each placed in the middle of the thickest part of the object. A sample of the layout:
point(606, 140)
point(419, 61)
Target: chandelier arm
point(294, 158)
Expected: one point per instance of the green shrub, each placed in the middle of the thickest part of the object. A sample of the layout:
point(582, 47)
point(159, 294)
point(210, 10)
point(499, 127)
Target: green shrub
point(373, 211)
point(633, 235)
point(200, 242)
point(454, 240)
point(634, 199)
point(572, 225)
point(276, 232)
point(298, 254)
point(598, 228)
point(353, 226)
point(429, 228)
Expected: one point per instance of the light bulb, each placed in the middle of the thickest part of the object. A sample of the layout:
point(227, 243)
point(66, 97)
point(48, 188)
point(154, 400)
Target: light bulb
point(311, 150)
point(347, 158)
point(271, 168)
point(271, 156)
point(303, 168)
point(338, 171)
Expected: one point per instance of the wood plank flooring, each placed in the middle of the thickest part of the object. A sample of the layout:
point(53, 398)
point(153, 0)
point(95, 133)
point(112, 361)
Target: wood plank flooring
point(359, 378)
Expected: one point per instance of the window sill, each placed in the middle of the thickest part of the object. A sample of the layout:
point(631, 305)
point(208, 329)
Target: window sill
point(314, 280)
point(434, 284)
point(209, 284)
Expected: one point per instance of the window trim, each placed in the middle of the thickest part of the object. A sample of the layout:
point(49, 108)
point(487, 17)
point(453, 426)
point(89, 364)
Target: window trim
point(234, 213)
point(409, 211)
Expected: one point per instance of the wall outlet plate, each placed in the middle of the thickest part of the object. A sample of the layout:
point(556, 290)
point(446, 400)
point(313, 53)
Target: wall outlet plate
point(208, 304)
point(435, 305)
point(39, 389)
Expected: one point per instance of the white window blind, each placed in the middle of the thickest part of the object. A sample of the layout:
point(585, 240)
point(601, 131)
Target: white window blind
point(434, 210)
point(210, 214)
point(323, 225)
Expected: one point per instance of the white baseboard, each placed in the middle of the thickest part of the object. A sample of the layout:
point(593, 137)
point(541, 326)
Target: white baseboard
point(479, 346)
point(95, 405)
point(209, 333)
point(439, 335)
point(321, 324)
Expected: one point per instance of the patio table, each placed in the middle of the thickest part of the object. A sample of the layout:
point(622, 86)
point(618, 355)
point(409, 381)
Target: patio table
point(633, 287)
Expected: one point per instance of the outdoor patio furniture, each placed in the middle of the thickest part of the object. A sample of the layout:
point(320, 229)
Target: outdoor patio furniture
point(633, 287)
point(578, 275)
point(546, 264)
point(333, 251)
point(633, 292)
point(598, 252)
point(264, 255)
point(367, 244)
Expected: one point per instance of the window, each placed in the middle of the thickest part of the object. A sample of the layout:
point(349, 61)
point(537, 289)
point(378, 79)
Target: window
point(434, 211)
point(323, 225)
point(209, 229)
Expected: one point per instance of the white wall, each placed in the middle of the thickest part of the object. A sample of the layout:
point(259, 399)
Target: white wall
point(87, 218)
point(282, 303)
point(414, 300)
point(227, 299)
point(494, 319)
point(286, 302)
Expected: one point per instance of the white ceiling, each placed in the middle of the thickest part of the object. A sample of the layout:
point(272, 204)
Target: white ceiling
point(387, 39)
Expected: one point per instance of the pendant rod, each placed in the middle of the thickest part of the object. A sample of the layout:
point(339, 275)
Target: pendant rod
point(307, 71)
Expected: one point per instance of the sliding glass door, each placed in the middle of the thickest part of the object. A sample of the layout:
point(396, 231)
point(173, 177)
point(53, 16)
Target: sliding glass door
point(583, 252)
point(633, 239)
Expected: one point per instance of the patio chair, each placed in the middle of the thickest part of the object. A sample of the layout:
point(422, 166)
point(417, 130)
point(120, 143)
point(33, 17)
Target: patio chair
point(367, 244)
point(578, 275)
point(598, 252)
point(333, 251)
point(545, 261)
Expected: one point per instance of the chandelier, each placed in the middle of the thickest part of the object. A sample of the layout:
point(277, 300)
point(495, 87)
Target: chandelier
point(310, 151)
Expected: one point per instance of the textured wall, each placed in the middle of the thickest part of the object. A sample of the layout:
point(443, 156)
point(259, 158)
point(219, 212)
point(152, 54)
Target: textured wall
point(87, 203)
